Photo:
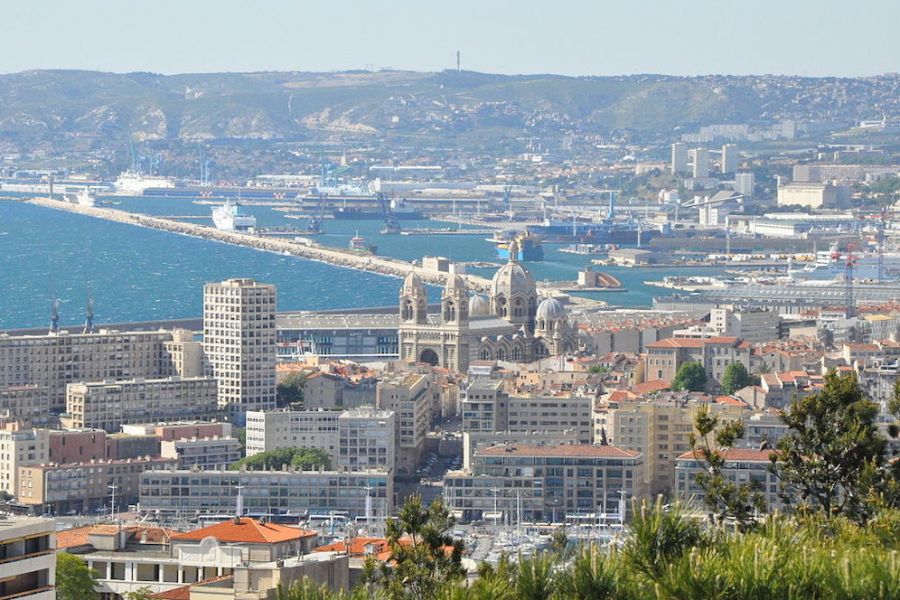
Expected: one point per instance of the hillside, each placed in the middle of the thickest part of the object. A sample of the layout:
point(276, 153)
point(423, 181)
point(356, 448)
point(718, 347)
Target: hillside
point(86, 109)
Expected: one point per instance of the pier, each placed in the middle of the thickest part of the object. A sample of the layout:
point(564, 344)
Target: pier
point(300, 247)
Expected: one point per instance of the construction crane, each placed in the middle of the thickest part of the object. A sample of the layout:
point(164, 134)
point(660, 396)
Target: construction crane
point(391, 223)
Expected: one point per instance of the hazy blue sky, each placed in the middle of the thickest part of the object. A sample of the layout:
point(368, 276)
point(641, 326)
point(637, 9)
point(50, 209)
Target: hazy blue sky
point(807, 37)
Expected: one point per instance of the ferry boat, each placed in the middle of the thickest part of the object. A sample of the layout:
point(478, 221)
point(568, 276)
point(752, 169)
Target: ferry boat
point(131, 183)
point(229, 217)
point(82, 197)
point(831, 264)
point(607, 232)
point(530, 246)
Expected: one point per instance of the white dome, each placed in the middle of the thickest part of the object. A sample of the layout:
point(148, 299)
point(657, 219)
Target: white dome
point(551, 309)
point(479, 306)
point(512, 278)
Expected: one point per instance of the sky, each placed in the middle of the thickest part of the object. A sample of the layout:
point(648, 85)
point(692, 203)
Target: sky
point(572, 37)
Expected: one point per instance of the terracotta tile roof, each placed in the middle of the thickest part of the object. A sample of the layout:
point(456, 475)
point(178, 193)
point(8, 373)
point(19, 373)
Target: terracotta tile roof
point(648, 387)
point(358, 546)
point(741, 454)
point(80, 536)
point(677, 343)
point(731, 400)
point(561, 450)
point(246, 530)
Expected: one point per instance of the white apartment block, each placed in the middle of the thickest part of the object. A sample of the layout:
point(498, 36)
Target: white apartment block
point(274, 429)
point(20, 447)
point(57, 359)
point(27, 558)
point(367, 440)
point(202, 453)
point(240, 343)
point(109, 405)
point(753, 326)
point(26, 403)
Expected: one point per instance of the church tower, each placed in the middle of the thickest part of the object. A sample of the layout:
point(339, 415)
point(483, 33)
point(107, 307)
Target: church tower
point(413, 301)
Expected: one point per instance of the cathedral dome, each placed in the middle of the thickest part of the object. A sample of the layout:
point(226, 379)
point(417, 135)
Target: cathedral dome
point(412, 283)
point(479, 306)
point(551, 309)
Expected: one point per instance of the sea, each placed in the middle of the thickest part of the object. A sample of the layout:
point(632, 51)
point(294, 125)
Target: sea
point(138, 274)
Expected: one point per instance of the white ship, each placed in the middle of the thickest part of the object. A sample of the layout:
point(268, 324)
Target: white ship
point(229, 217)
point(832, 265)
point(82, 197)
point(334, 188)
point(130, 183)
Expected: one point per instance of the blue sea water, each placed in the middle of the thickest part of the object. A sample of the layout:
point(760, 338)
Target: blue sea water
point(137, 274)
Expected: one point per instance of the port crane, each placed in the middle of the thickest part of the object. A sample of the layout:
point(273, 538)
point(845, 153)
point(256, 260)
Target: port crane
point(391, 223)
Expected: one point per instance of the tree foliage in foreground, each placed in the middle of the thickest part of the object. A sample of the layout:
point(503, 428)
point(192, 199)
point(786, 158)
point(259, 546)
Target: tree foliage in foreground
point(735, 377)
point(290, 390)
point(74, 579)
point(834, 458)
point(671, 556)
point(305, 459)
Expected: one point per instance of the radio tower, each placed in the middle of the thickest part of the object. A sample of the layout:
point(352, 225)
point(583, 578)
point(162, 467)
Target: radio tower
point(848, 280)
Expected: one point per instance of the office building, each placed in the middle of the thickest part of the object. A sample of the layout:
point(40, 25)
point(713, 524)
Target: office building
point(109, 405)
point(366, 440)
point(27, 558)
point(679, 162)
point(183, 492)
point(517, 482)
point(274, 429)
point(813, 195)
point(700, 162)
point(729, 159)
point(351, 336)
point(20, 446)
point(240, 344)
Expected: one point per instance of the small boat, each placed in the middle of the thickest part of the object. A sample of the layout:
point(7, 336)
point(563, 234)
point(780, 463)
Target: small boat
point(358, 244)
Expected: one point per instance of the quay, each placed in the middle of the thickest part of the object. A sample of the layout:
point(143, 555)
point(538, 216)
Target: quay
point(426, 231)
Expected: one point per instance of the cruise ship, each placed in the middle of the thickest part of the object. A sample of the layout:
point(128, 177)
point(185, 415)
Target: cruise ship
point(130, 183)
point(832, 264)
point(229, 217)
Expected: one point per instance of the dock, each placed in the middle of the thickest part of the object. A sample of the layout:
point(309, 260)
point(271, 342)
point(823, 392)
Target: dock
point(427, 231)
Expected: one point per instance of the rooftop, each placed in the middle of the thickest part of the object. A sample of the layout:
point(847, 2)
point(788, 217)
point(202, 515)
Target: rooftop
point(561, 450)
point(247, 531)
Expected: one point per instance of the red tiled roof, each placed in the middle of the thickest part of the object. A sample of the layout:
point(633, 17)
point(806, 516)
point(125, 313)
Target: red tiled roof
point(648, 387)
point(246, 530)
point(80, 536)
point(677, 343)
point(731, 400)
point(741, 454)
point(358, 546)
point(561, 450)
point(727, 340)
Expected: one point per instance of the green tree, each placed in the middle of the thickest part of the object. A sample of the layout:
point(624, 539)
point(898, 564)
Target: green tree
point(690, 376)
point(735, 378)
point(290, 390)
point(424, 557)
point(74, 579)
point(597, 369)
point(724, 498)
point(142, 593)
point(306, 459)
point(833, 457)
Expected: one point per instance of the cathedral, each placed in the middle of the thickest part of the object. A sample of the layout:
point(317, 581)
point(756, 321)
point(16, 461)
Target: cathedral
point(510, 326)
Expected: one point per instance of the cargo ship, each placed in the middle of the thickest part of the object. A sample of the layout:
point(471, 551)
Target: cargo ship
point(529, 244)
point(599, 234)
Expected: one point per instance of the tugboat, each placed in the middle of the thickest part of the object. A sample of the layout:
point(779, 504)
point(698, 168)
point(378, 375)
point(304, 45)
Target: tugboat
point(358, 244)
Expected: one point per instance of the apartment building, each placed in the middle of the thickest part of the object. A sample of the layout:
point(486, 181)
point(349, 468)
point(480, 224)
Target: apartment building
point(27, 558)
point(331, 391)
point(183, 492)
point(285, 428)
point(202, 453)
point(755, 326)
point(410, 397)
point(84, 487)
point(742, 466)
point(27, 403)
point(20, 446)
point(239, 340)
point(367, 440)
point(476, 440)
point(518, 482)
point(59, 358)
point(660, 426)
point(110, 404)
point(180, 430)
point(665, 357)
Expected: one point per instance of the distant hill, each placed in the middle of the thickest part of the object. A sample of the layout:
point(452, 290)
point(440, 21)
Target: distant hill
point(87, 109)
